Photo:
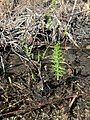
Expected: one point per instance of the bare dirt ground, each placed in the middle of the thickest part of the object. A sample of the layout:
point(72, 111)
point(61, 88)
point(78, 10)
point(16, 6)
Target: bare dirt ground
point(28, 88)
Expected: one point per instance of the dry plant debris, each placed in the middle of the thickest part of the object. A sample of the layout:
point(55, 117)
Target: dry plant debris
point(28, 31)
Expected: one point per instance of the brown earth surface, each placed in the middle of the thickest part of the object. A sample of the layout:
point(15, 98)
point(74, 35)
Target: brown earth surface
point(28, 88)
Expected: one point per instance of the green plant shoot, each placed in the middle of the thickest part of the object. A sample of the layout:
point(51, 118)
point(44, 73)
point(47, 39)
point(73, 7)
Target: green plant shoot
point(54, 2)
point(57, 61)
point(26, 48)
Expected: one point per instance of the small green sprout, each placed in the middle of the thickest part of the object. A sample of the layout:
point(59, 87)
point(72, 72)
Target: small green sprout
point(26, 48)
point(54, 2)
point(57, 61)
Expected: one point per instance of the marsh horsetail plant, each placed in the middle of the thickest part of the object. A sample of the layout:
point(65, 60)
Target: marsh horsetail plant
point(57, 61)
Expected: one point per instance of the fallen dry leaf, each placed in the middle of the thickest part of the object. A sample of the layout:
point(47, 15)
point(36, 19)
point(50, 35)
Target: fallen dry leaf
point(88, 47)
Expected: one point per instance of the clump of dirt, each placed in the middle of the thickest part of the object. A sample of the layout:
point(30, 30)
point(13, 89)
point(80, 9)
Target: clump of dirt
point(28, 87)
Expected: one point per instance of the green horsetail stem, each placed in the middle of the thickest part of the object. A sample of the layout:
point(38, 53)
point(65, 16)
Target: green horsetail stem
point(57, 61)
